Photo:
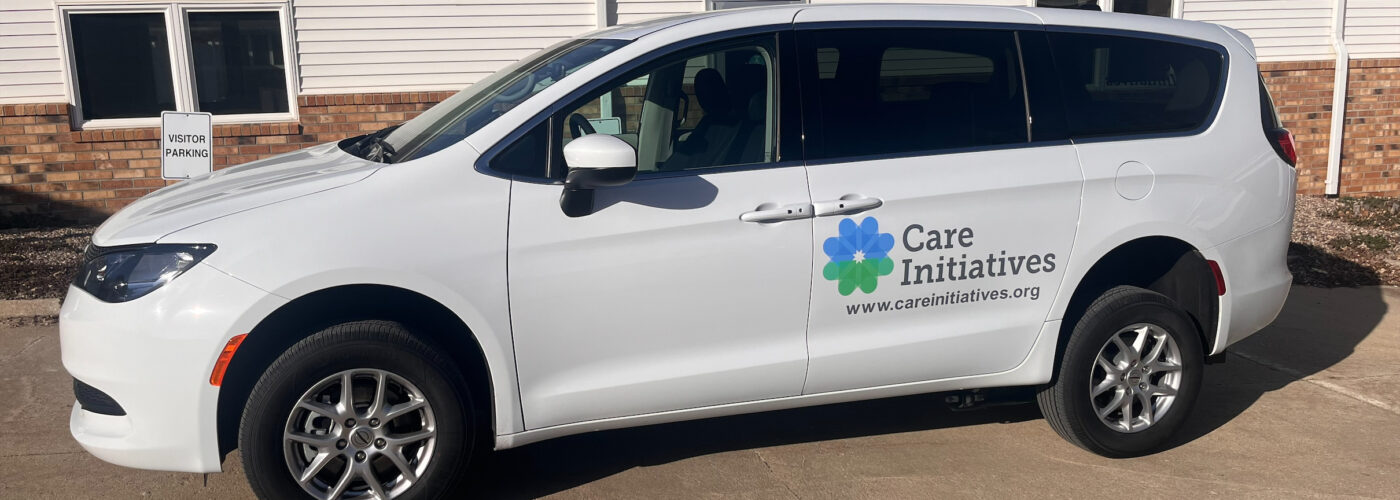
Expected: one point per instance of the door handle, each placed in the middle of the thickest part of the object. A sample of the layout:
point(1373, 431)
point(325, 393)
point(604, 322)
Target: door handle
point(849, 204)
point(771, 212)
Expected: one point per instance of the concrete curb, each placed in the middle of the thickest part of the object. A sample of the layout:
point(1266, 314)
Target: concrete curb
point(29, 308)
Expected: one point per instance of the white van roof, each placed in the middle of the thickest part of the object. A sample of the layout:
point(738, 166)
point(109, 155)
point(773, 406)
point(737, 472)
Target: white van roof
point(807, 13)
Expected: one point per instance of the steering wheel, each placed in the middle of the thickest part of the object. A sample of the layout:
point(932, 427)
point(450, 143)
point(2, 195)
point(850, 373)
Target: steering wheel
point(580, 126)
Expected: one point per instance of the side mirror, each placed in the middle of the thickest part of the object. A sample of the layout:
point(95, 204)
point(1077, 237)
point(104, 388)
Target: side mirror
point(595, 161)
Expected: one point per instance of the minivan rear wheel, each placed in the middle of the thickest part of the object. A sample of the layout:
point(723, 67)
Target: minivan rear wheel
point(358, 410)
point(1130, 374)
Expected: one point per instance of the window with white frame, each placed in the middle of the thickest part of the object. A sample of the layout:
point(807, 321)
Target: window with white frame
point(1162, 8)
point(130, 62)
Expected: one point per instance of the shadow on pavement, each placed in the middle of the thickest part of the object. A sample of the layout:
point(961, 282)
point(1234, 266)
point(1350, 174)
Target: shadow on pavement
point(559, 464)
point(1317, 329)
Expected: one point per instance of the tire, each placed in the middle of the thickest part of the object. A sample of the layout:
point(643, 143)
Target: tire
point(1112, 327)
point(428, 421)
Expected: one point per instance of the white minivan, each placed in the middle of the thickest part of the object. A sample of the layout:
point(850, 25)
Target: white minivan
point(706, 215)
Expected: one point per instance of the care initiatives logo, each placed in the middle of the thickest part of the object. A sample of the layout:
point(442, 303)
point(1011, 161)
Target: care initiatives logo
point(860, 255)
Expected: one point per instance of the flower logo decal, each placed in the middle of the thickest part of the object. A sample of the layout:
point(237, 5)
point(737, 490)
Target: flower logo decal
point(859, 255)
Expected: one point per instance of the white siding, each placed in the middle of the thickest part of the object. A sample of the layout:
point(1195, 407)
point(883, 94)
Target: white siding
point(347, 46)
point(1373, 28)
point(631, 11)
point(30, 68)
point(1282, 30)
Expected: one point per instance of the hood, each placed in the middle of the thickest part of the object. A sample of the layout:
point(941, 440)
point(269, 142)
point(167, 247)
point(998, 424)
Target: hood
point(232, 190)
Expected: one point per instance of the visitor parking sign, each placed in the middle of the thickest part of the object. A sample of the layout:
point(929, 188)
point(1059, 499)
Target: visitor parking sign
point(186, 144)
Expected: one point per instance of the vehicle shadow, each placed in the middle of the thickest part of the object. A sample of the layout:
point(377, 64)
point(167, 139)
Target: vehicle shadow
point(1317, 329)
point(556, 465)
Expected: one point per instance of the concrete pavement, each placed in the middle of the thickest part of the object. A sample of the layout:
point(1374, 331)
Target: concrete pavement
point(1310, 407)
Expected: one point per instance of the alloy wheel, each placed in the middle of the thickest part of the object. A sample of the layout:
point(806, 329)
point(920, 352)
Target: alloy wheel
point(1135, 377)
point(362, 433)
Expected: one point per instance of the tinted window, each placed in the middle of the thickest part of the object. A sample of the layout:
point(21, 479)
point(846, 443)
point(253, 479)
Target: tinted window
point(890, 91)
point(238, 64)
point(1115, 85)
point(123, 65)
point(1267, 111)
point(527, 156)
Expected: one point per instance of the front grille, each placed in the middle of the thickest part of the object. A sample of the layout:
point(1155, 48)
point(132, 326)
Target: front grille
point(93, 400)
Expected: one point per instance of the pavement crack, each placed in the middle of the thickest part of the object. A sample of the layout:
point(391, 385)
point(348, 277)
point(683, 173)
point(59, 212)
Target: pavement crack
point(1325, 384)
point(24, 349)
point(29, 344)
point(769, 466)
point(44, 454)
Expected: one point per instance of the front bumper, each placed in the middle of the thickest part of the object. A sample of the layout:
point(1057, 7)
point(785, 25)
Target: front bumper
point(153, 356)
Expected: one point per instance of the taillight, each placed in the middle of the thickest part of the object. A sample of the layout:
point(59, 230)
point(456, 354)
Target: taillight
point(1285, 144)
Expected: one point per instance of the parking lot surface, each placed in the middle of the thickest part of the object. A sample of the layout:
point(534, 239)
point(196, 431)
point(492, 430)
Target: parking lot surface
point(1309, 407)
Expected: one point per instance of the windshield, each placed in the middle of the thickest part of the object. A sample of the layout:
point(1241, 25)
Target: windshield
point(466, 112)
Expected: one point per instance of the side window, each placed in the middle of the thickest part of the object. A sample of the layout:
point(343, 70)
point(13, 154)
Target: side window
point(890, 91)
point(1114, 85)
point(527, 156)
point(701, 108)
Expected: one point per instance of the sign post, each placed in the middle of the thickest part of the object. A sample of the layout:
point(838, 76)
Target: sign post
point(186, 144)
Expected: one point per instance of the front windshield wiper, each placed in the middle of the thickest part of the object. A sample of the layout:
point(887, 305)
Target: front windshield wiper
point(373, 147)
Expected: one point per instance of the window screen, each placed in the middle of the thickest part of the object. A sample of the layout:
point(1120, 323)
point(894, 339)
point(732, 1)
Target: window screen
point(238, 65)
point(891, 91)
point(1115, 85)
point(1160, 8)
point(123, 65)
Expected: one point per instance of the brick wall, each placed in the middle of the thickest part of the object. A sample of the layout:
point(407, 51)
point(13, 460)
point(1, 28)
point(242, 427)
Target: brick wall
point(48, 171)
point(1371, 144)
point(1302, 93)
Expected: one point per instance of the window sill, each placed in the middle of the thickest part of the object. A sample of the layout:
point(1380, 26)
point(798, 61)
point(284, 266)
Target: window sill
point(245, 119)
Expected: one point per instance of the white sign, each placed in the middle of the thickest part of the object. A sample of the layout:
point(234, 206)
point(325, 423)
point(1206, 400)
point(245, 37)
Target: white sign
point(186, 144)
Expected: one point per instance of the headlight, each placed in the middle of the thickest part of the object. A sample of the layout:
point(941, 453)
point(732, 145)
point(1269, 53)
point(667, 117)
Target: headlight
point(119, 274)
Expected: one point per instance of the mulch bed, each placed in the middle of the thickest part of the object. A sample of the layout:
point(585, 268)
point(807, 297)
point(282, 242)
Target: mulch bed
point(1336, 243)
point(39, 263)
point(1345, 242)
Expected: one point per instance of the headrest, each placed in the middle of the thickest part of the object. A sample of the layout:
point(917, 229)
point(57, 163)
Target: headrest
point(747, 79)
point(711, 92)
point(758, 107)
point(1192, 87)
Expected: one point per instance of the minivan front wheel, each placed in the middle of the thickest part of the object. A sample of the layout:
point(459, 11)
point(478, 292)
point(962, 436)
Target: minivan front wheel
point(1130, 373)
point(359, 410)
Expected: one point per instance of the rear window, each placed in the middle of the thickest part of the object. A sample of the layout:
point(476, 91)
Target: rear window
point(1268, 113)
point(1116, 85)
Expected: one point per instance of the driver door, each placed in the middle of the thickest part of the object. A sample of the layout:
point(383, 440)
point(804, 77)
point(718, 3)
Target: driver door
point(661, 298)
